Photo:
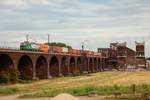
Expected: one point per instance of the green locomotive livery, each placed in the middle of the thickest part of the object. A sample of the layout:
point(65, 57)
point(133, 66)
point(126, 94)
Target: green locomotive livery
point(30, 46)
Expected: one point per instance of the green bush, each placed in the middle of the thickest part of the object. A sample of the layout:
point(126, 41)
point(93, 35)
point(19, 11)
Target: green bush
point(13, 75)
point(24, 81)
point(4, 78)
point(7, 90)
point(10, 75)
point(76, 74)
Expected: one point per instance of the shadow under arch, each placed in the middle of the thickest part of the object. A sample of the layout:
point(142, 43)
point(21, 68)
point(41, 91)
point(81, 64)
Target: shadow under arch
point(95, 64)
point(85, 64)
point(99, 64)
point(64, 65)
point(79, 65)
point(54, 66)
point(41, 67)
point(72, 65)
point(5, 64)
point(91, 65)
point(25, 67)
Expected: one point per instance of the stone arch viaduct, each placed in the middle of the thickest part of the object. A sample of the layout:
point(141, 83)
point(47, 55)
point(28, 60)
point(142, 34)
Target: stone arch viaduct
point(39, 65)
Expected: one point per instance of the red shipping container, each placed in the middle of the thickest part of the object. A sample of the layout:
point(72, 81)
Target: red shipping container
point(91, 53)
point(74, 51)
point(56, 49)
point(70, 51)
point(97, 54)
point(78, 52)
point(87, 52)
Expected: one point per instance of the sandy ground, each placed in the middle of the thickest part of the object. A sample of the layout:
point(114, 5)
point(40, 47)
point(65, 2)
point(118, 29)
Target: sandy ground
point(15, 97)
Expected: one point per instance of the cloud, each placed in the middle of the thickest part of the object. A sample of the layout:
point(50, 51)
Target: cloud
point(98, 21)
point(14, 4)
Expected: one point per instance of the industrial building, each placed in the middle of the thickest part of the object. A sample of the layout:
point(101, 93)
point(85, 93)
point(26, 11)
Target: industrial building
point(121, 57)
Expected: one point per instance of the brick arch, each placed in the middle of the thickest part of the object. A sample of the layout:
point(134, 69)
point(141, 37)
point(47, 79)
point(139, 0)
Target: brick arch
point(25, 67)
point(90, 64)
point(85, 65)
point(64, 65)
point(6, 62)
point(79, 64)
point(54, 66)
point(95, 64)
point(41, 67)
point(72, 65)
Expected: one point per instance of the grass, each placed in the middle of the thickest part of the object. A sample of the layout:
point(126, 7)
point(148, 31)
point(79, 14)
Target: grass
point(8, 90)
point(81, 91)
point(104, 83)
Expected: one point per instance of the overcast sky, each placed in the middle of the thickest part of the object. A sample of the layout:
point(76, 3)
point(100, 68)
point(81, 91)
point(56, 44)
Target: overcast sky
point(97, 22)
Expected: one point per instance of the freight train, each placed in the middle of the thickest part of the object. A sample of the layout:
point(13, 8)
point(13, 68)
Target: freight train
point(32, 46)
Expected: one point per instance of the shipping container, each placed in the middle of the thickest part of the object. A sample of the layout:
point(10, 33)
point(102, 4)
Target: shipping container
point(85, 52)
point(70, 50)
point(88, 53)
point(65, 50)
point(78, 52)
point(97, 54)
point(44, 47)
point(56, 49)
point(74, 51)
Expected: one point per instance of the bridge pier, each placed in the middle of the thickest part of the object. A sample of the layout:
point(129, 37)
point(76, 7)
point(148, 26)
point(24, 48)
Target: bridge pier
point(60, 63)
point(76, 65)
point(68, 64)
point(99, 65)
point(93, 71)
point(34, 72)
point(88, 65)
point(48, 70)
point(84, 66)
point(97, 69)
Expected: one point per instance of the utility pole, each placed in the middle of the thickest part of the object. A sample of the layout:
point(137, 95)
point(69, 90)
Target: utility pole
point(27, 38)
point(49, 50)
point(82, 46)
point(48, 39)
